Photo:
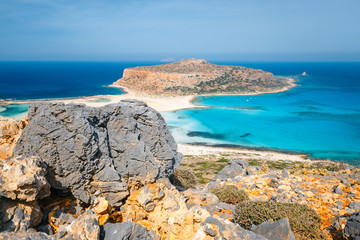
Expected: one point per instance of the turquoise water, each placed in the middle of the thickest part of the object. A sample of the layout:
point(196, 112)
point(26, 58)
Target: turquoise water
point(17, 111)
point(321, 117)
point(50, 80)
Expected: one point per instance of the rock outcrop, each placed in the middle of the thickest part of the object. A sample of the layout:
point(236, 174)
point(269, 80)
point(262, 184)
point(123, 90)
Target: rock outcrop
point(10, 131)
point(161, 208)
point(99, 151)
point(275, 230)
point(22, 182)
point(125, 231)
point(23, 179)
point(197, 76)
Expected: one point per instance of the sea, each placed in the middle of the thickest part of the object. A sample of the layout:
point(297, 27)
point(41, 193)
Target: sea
point(320, 117)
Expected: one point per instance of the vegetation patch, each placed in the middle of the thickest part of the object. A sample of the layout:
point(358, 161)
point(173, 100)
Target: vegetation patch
point(304, 221)
point(230, 194)
point(184, 178)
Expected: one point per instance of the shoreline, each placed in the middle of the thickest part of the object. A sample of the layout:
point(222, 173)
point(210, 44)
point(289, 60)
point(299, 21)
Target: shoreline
point(161, 103)
point(174, 103)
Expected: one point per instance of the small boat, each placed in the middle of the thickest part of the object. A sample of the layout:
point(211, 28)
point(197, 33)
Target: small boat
point(304, 74)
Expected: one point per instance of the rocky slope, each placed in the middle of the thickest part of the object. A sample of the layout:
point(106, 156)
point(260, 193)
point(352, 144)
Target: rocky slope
point(197, 76)
point(102, 173)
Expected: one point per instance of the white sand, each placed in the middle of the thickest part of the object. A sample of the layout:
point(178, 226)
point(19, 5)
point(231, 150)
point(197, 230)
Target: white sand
point(187, 149)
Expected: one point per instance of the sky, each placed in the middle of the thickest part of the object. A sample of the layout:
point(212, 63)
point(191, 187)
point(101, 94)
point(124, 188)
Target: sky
point(224, 30)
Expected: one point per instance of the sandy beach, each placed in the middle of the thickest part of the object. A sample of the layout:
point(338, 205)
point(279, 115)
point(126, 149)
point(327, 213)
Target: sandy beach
point(197, 150)
point(161, 103)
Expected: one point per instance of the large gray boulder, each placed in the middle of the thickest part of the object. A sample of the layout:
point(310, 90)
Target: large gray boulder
point(99, 150)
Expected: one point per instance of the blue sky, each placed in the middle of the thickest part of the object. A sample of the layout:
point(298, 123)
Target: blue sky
point(110, 30)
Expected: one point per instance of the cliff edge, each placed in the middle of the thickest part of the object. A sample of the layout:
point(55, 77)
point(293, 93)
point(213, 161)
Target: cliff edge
point(197, 76)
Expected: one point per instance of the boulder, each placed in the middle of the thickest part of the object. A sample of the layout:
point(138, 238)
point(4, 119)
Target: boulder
point(219, 228)
point(125, 231)
point(10, 131)
point(23, 179)
point(275, 230)
point(352, 228)
point(18, 216)
point(233, 169)
point(102, 150)
point(161, 208)
point(200, 197)
point(85, 227)
point(25, 235)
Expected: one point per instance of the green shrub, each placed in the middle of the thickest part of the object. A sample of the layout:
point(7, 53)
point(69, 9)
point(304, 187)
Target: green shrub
point(184, 178)
point(230, 194)
point(304, 221)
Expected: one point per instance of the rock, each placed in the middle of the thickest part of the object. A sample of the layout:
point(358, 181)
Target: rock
point(25, 235)
point(221, 209)
point(200, 197)
point(284, 173)
point(125, 231)
point(101, 206)
point(85, 227)
point(354, 206)
point(18, 216)
point(233, 169)
point(338, 190)
point(218, 228)
point(46, 229)
point(352, 228)
point(23, 178)
point(275, 230)
point(99, 149)
point(161, 208)
point(273, 183)
point(10, 131)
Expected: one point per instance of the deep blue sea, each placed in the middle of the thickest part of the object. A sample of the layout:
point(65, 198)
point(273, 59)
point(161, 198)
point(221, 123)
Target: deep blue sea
point(320, 117)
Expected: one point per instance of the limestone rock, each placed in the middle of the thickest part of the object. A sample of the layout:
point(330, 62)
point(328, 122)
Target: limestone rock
point(234, 168)
point(275, 230)
point(200, 197)
point(352, 228)
point(99, 149)
point(16, 216)
point(10, 131)
point(221, 209)
point(23, 178)
point(85, 227)
point(161, 208)
point(125, 231)
point(218, 228)
point(25, 235)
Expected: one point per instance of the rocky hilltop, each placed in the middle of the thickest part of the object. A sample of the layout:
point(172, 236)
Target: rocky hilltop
point(197, 76)
point(109, 173)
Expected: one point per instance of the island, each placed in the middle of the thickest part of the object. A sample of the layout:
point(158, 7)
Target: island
point(199, 77)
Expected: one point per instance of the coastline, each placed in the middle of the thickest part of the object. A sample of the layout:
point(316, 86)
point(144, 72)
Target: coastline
point(189, 149)
point(161, 103)
point(175, 103)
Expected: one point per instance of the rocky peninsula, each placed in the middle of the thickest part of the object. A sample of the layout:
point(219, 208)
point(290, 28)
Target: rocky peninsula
point(199, 77)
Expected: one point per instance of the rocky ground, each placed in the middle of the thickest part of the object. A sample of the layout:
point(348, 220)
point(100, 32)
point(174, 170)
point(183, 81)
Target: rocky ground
point(103, 173)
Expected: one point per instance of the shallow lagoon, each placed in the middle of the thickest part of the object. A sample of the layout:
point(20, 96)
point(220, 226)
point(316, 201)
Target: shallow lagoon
point(321, 117)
